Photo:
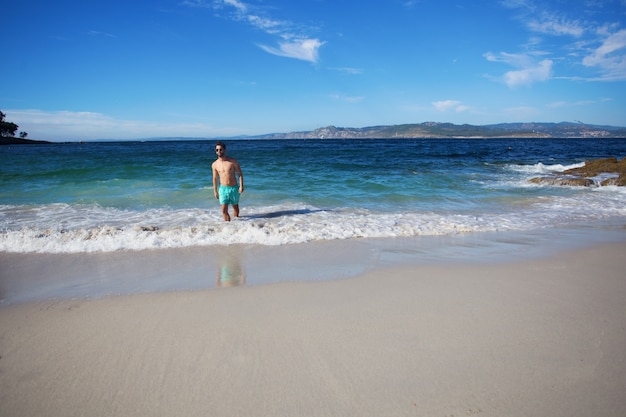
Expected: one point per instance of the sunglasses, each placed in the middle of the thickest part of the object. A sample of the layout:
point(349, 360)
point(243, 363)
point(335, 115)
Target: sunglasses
point(219, 150)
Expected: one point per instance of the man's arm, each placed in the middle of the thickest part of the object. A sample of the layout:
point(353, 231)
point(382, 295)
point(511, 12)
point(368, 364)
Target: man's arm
point(215, 178)
point(238, 170)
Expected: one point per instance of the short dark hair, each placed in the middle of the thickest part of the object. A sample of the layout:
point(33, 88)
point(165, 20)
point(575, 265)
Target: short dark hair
point(222, 144)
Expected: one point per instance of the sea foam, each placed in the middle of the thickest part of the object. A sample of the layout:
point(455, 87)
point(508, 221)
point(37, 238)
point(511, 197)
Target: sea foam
point(99, 229)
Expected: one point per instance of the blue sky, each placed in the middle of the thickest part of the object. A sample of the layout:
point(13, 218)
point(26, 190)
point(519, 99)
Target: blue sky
point(128, 69)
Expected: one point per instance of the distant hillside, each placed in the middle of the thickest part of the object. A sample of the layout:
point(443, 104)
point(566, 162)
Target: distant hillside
point(424, 130)
point(565, 129)
point(450, 130)
point(19, 141)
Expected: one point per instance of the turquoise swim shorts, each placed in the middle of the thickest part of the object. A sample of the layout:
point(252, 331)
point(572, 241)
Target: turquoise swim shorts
point(229, 194)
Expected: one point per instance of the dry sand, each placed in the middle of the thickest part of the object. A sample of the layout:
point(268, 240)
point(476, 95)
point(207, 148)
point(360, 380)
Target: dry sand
point(534, 338)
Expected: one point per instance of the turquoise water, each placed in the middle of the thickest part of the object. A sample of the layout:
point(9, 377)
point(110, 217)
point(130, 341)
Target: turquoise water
point(109, 196)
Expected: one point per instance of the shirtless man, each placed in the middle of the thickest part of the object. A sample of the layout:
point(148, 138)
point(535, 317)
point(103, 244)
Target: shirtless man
point(224, 170)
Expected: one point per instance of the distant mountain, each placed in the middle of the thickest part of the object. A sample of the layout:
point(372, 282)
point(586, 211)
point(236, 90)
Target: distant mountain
point(450, 130)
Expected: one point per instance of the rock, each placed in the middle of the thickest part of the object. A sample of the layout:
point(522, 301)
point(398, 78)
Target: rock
point(572, 181)
point(600, 166)
point(582, 177)
point(620, 181)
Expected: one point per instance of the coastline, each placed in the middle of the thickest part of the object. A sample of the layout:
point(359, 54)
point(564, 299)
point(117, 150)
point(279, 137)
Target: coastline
point(26, 277)
point(526, 337)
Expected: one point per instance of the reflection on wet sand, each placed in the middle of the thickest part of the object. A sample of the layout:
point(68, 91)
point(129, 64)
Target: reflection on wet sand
point(230, 273)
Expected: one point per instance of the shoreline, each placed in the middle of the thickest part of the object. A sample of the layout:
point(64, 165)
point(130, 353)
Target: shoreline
point(28, 277)
point(526, 337)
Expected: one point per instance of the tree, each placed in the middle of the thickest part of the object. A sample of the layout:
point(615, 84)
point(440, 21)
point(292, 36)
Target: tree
point(7, 128)
point(23, 135)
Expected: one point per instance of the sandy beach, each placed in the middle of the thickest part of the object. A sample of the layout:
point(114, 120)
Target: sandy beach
point(539, 337)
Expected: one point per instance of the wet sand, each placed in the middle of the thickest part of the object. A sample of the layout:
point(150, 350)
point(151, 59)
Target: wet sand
point(533, 337)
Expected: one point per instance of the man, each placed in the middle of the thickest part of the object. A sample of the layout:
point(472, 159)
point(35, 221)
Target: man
point(225, 171)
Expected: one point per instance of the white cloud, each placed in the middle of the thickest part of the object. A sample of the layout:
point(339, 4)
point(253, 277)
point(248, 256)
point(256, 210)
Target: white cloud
point(268, 25)
point(237, 5)
point(450, 105)
point(529, 69)
point(527, 76)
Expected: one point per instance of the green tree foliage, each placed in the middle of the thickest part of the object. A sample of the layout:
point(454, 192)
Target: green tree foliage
point(7, 129)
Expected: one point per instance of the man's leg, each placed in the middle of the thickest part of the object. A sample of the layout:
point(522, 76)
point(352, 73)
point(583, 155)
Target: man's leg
point(236, 210)
point(225, 212)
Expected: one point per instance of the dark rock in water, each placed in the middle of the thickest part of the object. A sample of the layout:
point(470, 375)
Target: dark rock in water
point(583, 176)
point(620, 181)
point(569, 181)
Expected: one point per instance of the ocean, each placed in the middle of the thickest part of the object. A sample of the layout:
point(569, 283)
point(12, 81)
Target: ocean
point(131, 196)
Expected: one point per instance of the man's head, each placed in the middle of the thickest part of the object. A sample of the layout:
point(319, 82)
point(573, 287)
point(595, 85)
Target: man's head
point(220, 148)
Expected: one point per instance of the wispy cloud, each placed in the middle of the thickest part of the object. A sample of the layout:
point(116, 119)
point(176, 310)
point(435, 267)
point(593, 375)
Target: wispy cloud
point(70, 125)
point(293, 41)
point(608, 57)
point(562, 104)
point(347, 99)
point(538, 18)
point(304, 49)
point(410, 3)
point(349, 70)
point(450, 105)
point(555, 25)
point(98, 33)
